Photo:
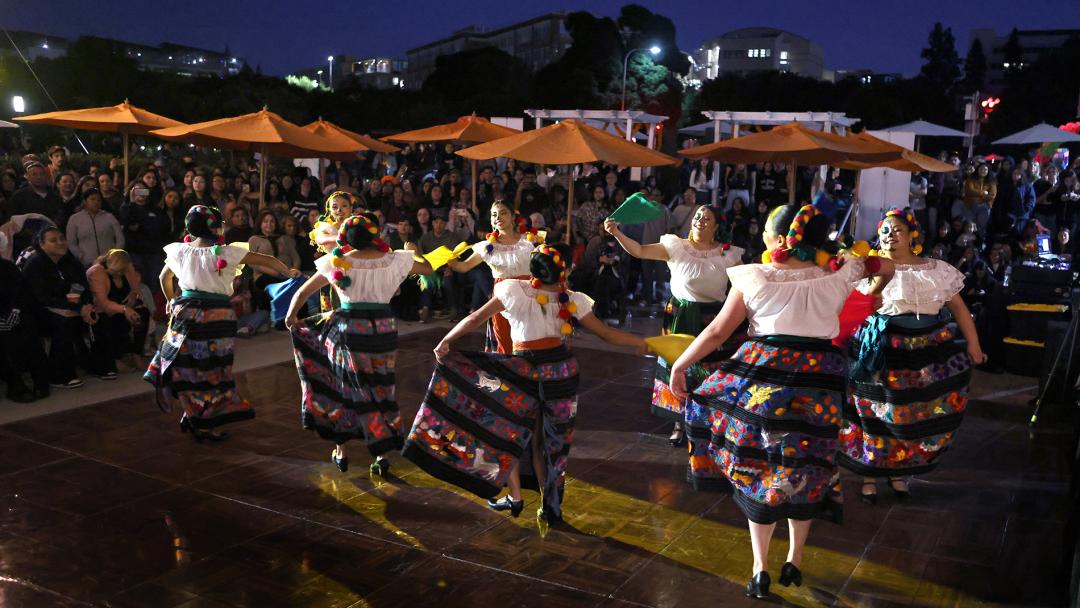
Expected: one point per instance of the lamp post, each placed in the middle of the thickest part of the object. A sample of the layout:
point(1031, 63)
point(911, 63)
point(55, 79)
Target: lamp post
point(319, 72)
point(330, 79)
point(655, 50)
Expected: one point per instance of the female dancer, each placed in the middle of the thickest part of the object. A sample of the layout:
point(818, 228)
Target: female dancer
point(194, 360)
point(777, 403)
point(699, 284)
point(346, 356)
point(324, 235)
point(909, 382)
point(507, 251)
point(491, 420)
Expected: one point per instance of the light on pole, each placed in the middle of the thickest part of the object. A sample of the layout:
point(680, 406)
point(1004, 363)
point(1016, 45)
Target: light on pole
point(654, 50)
point(18, 104)
point(320, 76)
point(330, 79)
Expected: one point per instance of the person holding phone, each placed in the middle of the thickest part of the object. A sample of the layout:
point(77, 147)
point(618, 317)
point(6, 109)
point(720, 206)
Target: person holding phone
point(58, 282)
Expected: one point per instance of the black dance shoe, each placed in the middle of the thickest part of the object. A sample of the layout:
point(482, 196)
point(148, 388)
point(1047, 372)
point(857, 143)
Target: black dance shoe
point(200, 435)
point(507, 504)
point(790, 574)
point(341, 463)
point(381, 467)
point(677, 439)
point(758, 587)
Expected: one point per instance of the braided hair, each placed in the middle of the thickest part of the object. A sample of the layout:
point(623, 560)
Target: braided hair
point(549, 265)
point(806, 236)
point(357, 232)
point(202, 222)
point(908, 218)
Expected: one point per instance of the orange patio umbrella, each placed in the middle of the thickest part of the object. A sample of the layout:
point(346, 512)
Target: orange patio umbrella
point(792, 144)
point(466, 130)
point(264, 132)
point(363, 142)
point(123, 118)
point(569, 142)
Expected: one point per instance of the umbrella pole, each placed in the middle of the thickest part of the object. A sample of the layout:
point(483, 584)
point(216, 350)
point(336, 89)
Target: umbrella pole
point(855, 204)
point(475, 163)
point(791, 183)
point(322, 175)
point(262, 176)
point(569, 207)
point(123, 187)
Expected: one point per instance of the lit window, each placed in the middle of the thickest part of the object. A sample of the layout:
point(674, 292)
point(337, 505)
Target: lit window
point(783, 55)
point(751, 52)
point(45, 44)
point(783, 62)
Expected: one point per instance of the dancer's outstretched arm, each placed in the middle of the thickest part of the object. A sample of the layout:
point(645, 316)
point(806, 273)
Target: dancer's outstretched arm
point(468, 324)
point(721, 328)
point(306, 290)
point(962, 315)
point(611, 335)
point(655, 251)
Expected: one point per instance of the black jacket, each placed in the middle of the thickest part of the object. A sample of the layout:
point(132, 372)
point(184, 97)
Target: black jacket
point(146, 229)
point(50, 282)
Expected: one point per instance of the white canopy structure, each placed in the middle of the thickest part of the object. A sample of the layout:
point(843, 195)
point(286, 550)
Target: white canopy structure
point(1041, 133)
point(921, 128)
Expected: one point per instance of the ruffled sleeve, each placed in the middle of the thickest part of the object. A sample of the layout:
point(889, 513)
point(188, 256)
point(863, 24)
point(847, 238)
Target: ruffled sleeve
point(747, 278)
point(853, 270)
point(502, 292)
point(480, 249)
point(174, 254)
point(673, 245)
point(323, 265)
point(583, 302)
point(403, 263)
point(232, 256)
point(949, 280)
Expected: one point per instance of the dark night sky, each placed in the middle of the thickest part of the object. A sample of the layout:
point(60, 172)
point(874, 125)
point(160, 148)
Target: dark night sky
point(283, 36)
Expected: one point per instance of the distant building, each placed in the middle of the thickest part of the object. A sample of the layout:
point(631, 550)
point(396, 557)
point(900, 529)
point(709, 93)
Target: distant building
point(758, 49)
point(537, 42)
point(375, 72)
point(1034, 44)
point(865, 76)
point(166, 57)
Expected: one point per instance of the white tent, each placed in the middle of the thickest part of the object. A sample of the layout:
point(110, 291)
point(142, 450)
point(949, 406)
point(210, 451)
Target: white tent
point(1041, 133)
point(921, 128)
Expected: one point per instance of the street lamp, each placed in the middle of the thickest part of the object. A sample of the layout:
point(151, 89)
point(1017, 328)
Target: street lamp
point(18, 104)
point(320, 77)
point(330, 78)
point(655, 50)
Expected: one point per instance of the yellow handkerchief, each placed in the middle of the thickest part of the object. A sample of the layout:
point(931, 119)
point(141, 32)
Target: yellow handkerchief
point(669, 347)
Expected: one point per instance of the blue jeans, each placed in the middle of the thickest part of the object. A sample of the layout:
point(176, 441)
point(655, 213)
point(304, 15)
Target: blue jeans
point(482, 283)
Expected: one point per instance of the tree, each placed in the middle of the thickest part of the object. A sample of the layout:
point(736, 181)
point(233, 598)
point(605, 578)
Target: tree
point(942, 67)
point(486, 81)
point(585, 76)
point(975, 68)
point(1012, 52)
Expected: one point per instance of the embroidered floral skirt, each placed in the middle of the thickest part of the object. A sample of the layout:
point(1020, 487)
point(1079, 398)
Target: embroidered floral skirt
point(774, 410)
point(346, 360)
point(194, 362)
point(904, 412)
point(482, 413)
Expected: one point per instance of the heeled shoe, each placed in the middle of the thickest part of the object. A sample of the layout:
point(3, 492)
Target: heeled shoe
point(790, 574)
point(869, 498)
point(341, 463)
point(677, 438)
point(758, 587)
point(200, 435)
point(507, 504)
point(381, 467)
point(902, 494)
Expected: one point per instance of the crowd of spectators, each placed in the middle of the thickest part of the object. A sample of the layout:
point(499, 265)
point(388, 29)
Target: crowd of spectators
point(82, 251)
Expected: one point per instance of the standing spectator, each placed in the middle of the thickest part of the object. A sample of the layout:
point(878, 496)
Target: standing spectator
point(174, 212)
point(111, 199)
point(1065, 198)
point(57, 162)
point(682, 216)
point(122, 317)
point(149, 178)
point(58, 282)
point(68, 192)
point(588, 217)
point(305, 252)
point(701, 178)
point(423, 220)
point(146, 231)
point(37, 196)
point(93, 231)
point(917, 193)
point(218, 195)
point(1044, 209)
point(200, 194)
point(980, 190)
point(1018, 202)
point(305, 199)
point(452, 296)
point(769, 187)
point(738, 185)
point(20, 341)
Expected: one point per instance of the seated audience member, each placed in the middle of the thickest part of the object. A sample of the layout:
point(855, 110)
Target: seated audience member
point(58, 282)
point(269, 242)
point(443, 280)
point(21, 349)
point(239, 230)
point(122, 317)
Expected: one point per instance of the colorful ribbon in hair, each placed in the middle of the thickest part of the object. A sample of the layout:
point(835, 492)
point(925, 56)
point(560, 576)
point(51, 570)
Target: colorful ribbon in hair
point(566, 307)
point(906, 216)
point(340, 264)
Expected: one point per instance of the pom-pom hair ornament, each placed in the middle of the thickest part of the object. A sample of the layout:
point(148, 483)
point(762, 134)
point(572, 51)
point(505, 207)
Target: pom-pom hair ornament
point(523, 228)
point(724, 234)
point(338, 261)
point(906, 216)
point(566, 308)
point(794, 245)
point(213, 216)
